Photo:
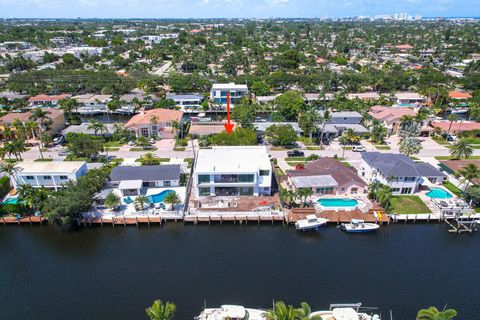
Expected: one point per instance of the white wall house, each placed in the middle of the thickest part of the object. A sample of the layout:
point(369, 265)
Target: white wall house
point(398, 171)
point(48, 174)
point(218, 94)
point(232, 171)
point(188, 102)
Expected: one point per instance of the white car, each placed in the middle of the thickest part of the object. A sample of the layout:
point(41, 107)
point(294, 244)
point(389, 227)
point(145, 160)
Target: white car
point(359, 149)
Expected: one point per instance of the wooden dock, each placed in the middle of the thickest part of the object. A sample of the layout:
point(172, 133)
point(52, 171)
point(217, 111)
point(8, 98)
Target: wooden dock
point(240, 218)
point(25, 220)
point(338, 216)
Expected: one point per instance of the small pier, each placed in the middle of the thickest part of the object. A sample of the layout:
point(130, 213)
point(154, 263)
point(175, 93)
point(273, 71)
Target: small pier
point(461, 226)
point(234, 218)
point(22, 221)
point(340, 216)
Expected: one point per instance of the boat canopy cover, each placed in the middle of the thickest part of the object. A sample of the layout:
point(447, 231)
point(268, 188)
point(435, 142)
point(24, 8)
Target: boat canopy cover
point(345, 314)
point(357, 221)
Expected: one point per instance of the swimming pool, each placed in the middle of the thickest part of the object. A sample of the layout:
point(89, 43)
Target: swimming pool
point(160, 197)
point(439, 193)
point(10, 201)
point(338, 202)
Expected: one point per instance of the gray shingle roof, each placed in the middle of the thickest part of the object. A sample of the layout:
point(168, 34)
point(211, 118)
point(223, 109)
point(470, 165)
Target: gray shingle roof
point(146, 173)
point(399, 165)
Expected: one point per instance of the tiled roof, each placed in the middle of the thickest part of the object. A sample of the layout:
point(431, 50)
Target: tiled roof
point(163, 115)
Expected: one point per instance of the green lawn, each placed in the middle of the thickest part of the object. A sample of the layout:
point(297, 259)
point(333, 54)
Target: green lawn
point(113, 148)
point(44, 160)
point(295, 158)
point(452, 188)
point(346, 164)
point(179, 149)
point(440, 141)
point(408, 205)
point(306, 141)
point(450, 158)
point(382, 147)
point(112, 144)
point(314, 148)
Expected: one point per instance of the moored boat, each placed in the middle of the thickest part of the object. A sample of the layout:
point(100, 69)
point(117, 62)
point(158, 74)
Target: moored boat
point(312, 222)
point(344, 312)
point(231, 312)
point(357, 226)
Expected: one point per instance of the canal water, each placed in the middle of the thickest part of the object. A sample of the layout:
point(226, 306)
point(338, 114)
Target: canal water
point(114, 273)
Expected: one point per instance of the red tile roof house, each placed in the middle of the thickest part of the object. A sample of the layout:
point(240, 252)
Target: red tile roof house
point(43, 99)
point(457, 127)
point(459, 95)
point(327, 176)
point(390, 117)
point(154, 123)
point(56, 115)
point(404, 48)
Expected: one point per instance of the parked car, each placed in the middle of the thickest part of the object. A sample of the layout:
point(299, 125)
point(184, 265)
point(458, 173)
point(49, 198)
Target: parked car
point(451, 138)
point(359, 149)
point(58, 140)
point(295, 153)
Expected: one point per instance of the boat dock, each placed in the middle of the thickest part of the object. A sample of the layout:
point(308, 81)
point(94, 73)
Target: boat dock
point(373, 216)
point(25, 220)
point(235, 218)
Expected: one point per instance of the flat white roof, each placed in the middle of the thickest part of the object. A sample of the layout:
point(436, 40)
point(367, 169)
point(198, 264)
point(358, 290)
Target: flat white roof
point(240, 159)
point(229, 86)
point(52, 167)
point(130, 184)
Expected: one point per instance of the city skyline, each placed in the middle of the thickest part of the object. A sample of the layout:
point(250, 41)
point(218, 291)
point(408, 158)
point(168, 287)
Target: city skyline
point(236, 8)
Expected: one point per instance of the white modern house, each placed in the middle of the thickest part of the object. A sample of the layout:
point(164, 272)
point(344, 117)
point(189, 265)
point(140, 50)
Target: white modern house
point(399, 172)
point(135, 180)
point(187, 102)
point(48, 174)
point(232, 171)
point(218, 93)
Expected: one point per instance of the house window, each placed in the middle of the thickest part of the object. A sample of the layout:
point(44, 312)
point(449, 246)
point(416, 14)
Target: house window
point(326, 190)
point(409, 179)
point(354, 190)
point(264, 172)
point(204, 191)
point(246, 178)
point(166, 183)
point(47, 178)
point(203, 178)
point(406, 190)
point(395, 190)
point(246, 191)
point(63, 178)
point(144, 132)
point(30, 178)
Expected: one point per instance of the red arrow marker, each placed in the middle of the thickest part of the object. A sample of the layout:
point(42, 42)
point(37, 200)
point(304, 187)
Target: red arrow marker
point(228, 125)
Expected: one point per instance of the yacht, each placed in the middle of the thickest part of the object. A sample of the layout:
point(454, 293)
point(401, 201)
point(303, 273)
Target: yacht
point(231, 312)
point(344, 312)
point(312, 222)
point(356, 225)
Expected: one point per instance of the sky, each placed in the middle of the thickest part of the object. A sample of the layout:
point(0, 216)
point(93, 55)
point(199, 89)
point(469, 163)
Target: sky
point(232, 8)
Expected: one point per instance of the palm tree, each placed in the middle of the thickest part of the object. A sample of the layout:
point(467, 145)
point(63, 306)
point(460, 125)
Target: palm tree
point(140, 202)
point(384, 195)
point(143, 142)
point(451, 117)
point(379, 132)
point(31, 126)
point(39, 115)
point(325, 118)
point(172, 199)
point(175, 127)
point(8, 132)
point(461, 150)
point(289, 196)
point(281, 311)
point(161, 311)
point(304, 313)
point(433, 313)
point(373, 189)
point(112, 200)
point(149, 159)
point(14, 147)
point(68, 105)
point(351, 136)
point(154, 122)
point(304, 193)
point(11, 169)
point(97, 127)
point(410, 146)
point(470, 173)
point(112, 106)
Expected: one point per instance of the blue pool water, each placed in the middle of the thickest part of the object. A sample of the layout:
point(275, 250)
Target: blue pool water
point(160, 197)
point(11, 201)
point(338, 202)
point(439, 193)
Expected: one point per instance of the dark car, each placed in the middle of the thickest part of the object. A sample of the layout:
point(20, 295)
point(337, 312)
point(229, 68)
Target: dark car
point(295, 153)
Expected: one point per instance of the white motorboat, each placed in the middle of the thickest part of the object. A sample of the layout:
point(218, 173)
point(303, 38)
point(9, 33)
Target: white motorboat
point(356, 225)
point(344, 312)
point(231, 312)
point(312, 222)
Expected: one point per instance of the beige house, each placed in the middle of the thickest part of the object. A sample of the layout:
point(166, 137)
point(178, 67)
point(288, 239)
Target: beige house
point(154, 123)
point(56, 115)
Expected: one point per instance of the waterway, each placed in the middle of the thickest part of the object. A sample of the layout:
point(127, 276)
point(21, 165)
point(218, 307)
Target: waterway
point(114, 273)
